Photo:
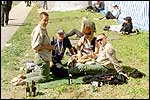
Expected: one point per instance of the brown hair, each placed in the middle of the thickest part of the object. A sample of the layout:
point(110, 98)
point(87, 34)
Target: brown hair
point(43, 13)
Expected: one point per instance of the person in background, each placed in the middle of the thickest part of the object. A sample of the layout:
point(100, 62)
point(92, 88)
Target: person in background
point(28, 3)
point(5, 9)
point(44, 5)
point(125, 28)
point(100, 5)
point(113, 13)
point(42, 49)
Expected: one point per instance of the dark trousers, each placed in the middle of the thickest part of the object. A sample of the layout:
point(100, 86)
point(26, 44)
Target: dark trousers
point(73, 32)
point(28, 3)
point(4, 15)
point(45, 5)
point(58, 72)
point(109, 15)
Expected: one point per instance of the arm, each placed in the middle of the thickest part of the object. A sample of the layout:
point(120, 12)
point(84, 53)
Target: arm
point(80, 43)
point(112, 57)
point(72, 51)
point(69, 46)
point(110, 53)
point(43, 47)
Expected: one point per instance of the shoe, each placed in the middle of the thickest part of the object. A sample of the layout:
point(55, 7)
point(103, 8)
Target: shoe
point(2, 25)
point(101, 18)
point(6, 23)
point(137, 31)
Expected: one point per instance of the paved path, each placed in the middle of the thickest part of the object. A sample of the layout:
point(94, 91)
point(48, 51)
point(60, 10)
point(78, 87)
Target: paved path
point(17, 16)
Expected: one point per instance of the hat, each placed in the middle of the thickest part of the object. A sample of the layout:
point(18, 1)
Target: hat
point(60, 32)
point(128, 19)
point(115, 6)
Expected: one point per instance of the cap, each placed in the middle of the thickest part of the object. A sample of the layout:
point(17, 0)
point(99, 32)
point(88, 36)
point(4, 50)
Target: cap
point(115, 6)
point(128, 19)
point(60, 32)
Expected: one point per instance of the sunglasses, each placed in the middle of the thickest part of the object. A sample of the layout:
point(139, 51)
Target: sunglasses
point(99, 40)
point(88, 33)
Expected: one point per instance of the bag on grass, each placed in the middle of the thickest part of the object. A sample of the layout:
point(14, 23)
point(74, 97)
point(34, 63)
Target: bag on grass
point(105, 78)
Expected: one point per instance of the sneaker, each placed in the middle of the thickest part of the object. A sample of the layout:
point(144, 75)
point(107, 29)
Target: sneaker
point(6, 23)
point(101, 18)
point(137, 31)
point(2, 25)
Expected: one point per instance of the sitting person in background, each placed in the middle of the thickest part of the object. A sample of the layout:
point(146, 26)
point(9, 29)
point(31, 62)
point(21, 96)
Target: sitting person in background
point(125, 28)
point(105, 60)
point(78, 33)
point(99, 6)
point(61, 43)
point(112, 14)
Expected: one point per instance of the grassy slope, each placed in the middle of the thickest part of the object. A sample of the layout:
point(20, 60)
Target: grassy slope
point(132, 50)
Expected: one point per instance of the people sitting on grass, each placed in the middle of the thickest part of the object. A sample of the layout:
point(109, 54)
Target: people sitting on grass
point(112, 14)
point(42, 48)
point(99, 6)
point(61, 43)
point(78, 33)
point(105, 60)
point(86, 44)
point(125, 28)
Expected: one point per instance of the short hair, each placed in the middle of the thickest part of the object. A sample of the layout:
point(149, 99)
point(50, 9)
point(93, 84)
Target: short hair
point(86, 17)
point(43, 13)
point(102, 34)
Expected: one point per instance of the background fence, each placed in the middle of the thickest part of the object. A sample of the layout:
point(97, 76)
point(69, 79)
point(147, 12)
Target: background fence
point(138, 10)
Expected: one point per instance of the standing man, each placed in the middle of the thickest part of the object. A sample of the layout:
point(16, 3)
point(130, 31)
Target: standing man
point(42, 48)
point(5, 9)
point(61, 43)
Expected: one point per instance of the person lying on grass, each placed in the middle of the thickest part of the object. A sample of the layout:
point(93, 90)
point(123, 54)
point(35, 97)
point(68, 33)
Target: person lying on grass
point(125, 28)
point(105, 60)
point(42, 48)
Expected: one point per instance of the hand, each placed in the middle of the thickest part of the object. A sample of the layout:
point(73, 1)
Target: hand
point(51, 47)
point(51, 64)
point(124, 75)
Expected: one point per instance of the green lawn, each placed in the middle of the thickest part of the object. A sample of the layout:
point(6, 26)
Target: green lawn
point(15, 3)
point(132, 50)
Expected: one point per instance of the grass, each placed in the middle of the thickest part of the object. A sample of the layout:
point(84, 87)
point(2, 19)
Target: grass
point(15, 3)
point(132, 50)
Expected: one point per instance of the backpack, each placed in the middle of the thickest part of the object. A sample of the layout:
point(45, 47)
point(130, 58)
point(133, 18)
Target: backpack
point(111, 78)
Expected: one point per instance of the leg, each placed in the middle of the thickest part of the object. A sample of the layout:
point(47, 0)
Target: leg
point(88, 69)
point(73, 32)
point(2, 16)
point(7, 17)
point(42, 72)
point(46, 5)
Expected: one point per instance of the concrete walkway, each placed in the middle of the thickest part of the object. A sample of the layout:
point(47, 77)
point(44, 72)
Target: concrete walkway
point(17, 16)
